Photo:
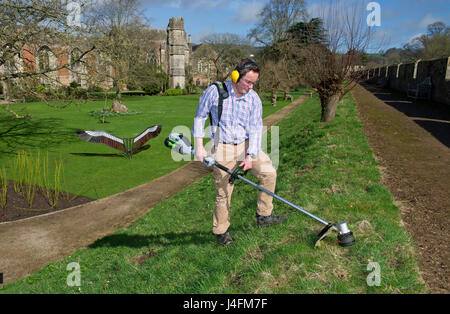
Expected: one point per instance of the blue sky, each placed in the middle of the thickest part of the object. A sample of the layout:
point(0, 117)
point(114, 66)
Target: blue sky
point(401, 20)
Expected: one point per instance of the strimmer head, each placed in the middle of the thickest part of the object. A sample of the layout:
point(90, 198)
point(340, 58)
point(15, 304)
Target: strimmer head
point(345, 236)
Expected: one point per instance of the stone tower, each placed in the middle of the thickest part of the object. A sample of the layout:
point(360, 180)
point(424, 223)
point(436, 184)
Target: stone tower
point(176, 52)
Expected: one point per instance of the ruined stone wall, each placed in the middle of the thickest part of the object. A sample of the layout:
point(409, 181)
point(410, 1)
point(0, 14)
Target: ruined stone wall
point(398, 76)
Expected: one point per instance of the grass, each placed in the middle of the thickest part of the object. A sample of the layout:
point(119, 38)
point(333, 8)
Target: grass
point(4, 187)
point(327, 168)
point(93, 169)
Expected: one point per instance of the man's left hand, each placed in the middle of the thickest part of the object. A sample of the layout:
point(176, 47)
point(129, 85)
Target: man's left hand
point(247, 163)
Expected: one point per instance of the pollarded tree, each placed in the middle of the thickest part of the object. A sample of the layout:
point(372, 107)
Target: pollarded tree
point(330, 63)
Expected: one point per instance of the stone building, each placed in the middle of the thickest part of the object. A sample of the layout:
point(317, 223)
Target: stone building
point(177, 53)
point(172, 51)
point(180, 59)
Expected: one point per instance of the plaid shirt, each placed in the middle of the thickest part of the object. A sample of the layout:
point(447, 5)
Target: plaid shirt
point(241, 117)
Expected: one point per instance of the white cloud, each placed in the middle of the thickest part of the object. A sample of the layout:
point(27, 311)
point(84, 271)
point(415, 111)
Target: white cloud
point(197, 37)
point(413, 37)
point(248, 14)
point(427, 20)
point(185, 4)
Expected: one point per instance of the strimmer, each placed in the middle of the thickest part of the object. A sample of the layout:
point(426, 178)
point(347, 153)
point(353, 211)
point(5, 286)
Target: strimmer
point(182, 145)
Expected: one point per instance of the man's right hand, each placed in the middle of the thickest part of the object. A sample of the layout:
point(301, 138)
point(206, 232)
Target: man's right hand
point(200, 152)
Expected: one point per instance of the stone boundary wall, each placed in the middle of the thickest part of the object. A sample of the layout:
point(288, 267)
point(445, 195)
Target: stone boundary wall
point(398, 76)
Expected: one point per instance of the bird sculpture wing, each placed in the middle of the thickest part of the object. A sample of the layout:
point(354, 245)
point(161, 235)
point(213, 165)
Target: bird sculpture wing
point(104, 138)
point(123, 145)
point(148, 134)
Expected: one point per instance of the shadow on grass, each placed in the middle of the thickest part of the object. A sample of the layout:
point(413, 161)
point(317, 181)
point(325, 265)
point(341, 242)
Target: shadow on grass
point(140, 149)
point(33, 133)
point(170, 238)
point(431, 116)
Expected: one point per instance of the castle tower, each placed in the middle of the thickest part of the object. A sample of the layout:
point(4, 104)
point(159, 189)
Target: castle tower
point(176, 44)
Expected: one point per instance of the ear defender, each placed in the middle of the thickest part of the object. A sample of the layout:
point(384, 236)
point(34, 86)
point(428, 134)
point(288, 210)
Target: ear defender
point(236, 74)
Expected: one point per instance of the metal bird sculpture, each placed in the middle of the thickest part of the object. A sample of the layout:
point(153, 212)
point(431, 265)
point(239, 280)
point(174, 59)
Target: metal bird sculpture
point(126, 145)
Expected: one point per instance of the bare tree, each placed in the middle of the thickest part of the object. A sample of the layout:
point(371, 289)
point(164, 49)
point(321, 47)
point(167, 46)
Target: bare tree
point(276, 19)
point(331, 67)
point(33, 36)
point(223, 51)
point(279, 70)
point(144, 68)
point(112, 23)
point(275, 77)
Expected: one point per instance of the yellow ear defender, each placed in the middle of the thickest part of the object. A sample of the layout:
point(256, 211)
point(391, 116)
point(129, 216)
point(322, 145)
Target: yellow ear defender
point(235, 76)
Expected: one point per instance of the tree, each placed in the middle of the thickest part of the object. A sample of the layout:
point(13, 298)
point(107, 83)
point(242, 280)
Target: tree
point(275, 20)
point(279, 71)
point(143, 70)
point(223, 51)
point(112, 23)
point(436, 43)
point(330, 65)
point(308, 32)
point(33, 35)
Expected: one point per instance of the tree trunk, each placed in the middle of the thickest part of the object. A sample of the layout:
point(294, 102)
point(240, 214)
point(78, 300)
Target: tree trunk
point(117, 89)
point(287, 96)
point(329, 106)
point(274, 98)
point(5, 90)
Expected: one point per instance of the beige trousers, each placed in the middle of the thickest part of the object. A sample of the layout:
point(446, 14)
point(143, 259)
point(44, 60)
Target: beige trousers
point(229, 155)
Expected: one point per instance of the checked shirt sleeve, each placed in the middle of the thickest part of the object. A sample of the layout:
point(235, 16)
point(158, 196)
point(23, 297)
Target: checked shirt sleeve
point(255, 127)
point(208, 98)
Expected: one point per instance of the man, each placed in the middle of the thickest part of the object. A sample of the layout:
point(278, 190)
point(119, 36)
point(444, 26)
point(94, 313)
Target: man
point(237, 137)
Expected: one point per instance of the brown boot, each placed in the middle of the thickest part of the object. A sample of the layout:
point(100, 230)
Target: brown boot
point(224, 238)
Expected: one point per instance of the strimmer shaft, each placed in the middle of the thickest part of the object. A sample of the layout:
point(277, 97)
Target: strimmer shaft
point(274, 195)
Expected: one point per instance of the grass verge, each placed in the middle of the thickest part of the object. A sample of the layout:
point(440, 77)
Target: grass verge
point(328, 169)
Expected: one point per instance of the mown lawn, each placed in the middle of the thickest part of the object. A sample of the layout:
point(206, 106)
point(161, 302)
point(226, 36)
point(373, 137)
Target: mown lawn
point(327, 168)
point(96, 170)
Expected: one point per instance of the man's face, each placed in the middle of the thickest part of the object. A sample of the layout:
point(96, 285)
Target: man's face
point(247, 82)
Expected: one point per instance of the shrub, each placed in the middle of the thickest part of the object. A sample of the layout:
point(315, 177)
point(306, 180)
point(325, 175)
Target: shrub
point(74, 84)
point(192, 89)
point(133, 86)
point(133, 93)
point(95, 89)
point(151, 89)
point(173, 92)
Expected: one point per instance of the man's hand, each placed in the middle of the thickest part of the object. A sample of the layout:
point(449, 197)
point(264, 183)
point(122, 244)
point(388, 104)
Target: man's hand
point(247, 163)
point(200, 152)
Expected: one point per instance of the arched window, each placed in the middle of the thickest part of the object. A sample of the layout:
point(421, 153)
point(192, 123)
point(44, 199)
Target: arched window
point(43, 58)
point(77, 67)
point(46, 63)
